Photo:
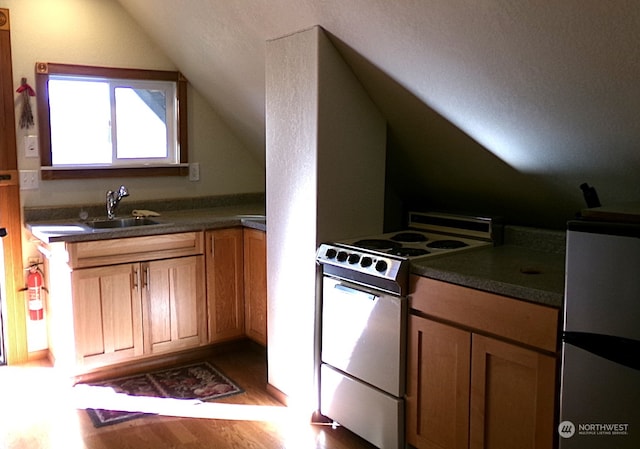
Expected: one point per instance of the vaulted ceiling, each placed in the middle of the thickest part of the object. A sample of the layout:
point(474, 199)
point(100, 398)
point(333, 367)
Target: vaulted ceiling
point(494, 106)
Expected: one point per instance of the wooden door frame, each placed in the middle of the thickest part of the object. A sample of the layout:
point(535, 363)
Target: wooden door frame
point(10, 208)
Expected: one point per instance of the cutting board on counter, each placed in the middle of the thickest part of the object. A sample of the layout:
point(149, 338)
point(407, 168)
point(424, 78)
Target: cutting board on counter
point(625, 212)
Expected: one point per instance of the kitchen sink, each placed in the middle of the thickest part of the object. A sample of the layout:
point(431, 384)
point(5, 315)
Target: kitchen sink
point(121, 223)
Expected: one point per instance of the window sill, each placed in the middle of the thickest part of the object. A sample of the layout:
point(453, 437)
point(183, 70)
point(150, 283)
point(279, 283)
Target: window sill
point(51, 173)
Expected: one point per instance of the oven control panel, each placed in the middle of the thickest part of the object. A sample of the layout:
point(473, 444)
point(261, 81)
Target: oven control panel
point(359, 260)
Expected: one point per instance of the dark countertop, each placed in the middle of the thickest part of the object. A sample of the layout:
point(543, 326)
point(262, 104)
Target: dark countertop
point(529, 266)
point(515, 269)
point(169, 222)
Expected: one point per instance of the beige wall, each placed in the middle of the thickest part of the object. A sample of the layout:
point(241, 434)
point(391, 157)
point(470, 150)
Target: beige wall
point(100, 32)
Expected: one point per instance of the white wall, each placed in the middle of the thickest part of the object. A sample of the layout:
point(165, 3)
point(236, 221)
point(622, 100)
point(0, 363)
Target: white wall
point(291, 165)
point(325, 179)
point(99, 32)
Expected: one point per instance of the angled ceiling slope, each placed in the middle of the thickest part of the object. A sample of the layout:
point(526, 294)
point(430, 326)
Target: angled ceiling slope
point(551, 93)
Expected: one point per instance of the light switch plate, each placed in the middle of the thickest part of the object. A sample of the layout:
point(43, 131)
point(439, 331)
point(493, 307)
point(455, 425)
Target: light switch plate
point(31, 146)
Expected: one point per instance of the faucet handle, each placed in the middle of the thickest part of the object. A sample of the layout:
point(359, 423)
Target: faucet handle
point(122, 191)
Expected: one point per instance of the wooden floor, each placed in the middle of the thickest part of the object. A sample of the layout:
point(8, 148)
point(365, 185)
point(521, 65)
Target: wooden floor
point(38, 411)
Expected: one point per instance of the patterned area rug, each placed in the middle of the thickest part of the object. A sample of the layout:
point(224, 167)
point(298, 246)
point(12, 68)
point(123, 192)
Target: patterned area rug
point(200, 381)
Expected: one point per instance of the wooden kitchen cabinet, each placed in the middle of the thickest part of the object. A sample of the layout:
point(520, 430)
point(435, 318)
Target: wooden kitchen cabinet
point(438, 385)
point(174, 304)
point(255, 285)
point(107, 314)
point(481, 369)
point(512, 396)
point(128, 310)
point(116, 300)
point(225, 285)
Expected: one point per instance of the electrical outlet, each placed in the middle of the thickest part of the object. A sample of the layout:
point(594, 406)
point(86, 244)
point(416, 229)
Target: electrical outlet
point(194, 171)
point(29, 179)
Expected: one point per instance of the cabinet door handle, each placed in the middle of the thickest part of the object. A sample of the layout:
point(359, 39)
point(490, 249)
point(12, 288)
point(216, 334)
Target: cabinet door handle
point(136, 279)
point(145, 278)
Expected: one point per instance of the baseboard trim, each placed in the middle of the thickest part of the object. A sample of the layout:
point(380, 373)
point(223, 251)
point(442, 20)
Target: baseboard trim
point(277, 394)
point(162, 361)
point(42, 354)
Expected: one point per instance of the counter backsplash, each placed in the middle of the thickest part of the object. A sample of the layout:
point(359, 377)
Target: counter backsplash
point(55, 213)
point(545, 240)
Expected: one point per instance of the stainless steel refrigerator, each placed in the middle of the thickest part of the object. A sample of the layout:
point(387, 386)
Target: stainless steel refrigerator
point(600, 382)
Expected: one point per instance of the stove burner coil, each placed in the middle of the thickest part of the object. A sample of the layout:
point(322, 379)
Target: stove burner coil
point(409, 252)
point(446, 244)
point(409, 237)
point(376, 244)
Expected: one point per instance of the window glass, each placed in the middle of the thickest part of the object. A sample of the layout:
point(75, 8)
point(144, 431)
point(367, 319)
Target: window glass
point(84, 110)
point(141, 123)
point(80, 122)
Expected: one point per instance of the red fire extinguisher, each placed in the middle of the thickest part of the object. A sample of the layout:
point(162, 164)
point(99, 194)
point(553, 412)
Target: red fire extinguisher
point(34, 293)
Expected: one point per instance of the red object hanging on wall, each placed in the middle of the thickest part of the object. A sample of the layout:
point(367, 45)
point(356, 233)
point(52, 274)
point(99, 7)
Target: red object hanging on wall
point(26, 91)
point(34, 293)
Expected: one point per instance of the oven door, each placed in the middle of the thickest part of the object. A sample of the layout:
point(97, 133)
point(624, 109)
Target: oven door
point(364, 334)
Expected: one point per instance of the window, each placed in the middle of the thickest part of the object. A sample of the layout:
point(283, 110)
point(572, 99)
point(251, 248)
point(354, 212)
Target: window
point(108, 122)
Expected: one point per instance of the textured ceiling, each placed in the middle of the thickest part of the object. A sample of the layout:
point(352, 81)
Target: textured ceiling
point(495, 105)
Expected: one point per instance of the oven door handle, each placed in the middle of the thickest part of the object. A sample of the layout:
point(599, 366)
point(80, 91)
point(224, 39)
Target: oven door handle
point(353, 291)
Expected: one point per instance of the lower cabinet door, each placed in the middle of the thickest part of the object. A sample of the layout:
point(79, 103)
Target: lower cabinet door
point(174, 304)
point(225, 284)
point(512, 396)
point(438, 385)
point(107, 314)
point(255, 285)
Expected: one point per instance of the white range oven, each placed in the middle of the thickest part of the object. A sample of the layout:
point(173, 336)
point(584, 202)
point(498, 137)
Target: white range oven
point(363, 329)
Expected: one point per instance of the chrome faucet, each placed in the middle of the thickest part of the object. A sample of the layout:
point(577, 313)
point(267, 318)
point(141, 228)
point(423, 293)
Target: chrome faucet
point(113, 198)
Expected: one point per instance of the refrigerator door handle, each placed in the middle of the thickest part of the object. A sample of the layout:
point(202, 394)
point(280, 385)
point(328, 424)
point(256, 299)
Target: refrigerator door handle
point(616, 349)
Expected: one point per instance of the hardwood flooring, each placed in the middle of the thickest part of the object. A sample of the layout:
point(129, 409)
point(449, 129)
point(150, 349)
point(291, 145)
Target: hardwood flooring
point(38, 411)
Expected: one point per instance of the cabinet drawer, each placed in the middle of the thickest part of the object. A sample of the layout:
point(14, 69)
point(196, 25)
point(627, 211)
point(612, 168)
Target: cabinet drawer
point(531, 324)
point(134, 249)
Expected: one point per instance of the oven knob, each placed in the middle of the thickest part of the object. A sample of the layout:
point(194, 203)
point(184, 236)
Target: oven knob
point(354, 258)
point(331, 253)
point(366, 262)
point(342, 256)
point(381, 266)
